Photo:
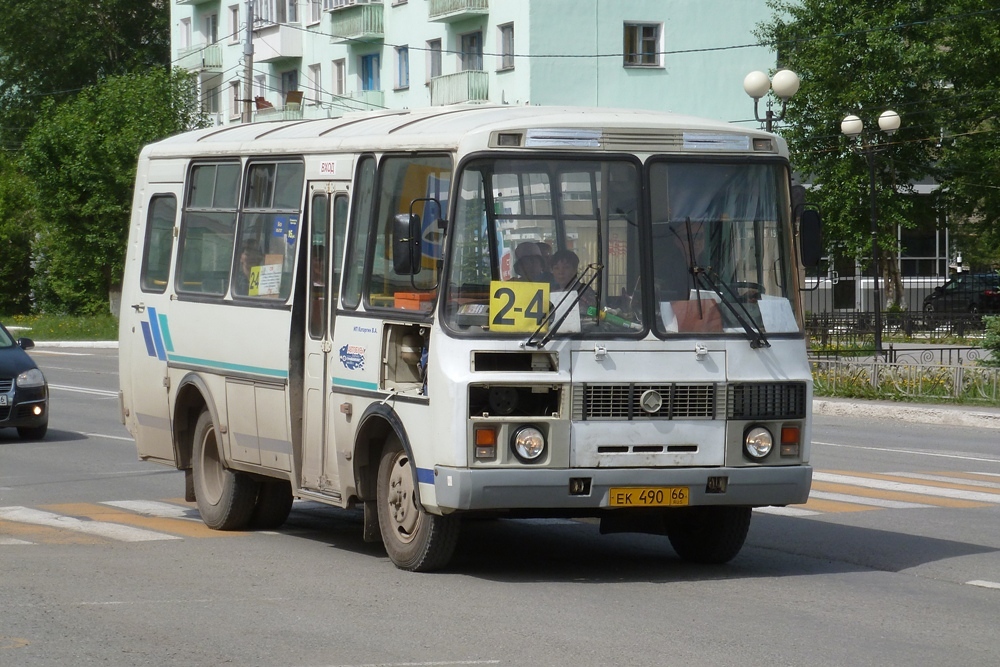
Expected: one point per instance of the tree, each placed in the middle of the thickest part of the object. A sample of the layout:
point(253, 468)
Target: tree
point(892, 54)
point(17, 228)
point(82, 156)
point(50, 49)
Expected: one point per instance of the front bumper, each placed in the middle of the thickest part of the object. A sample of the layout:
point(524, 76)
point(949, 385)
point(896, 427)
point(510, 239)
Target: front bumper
point(540, 489)
point(20, 409)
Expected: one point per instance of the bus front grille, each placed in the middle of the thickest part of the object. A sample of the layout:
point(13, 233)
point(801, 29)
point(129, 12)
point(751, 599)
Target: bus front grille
point(742, 401)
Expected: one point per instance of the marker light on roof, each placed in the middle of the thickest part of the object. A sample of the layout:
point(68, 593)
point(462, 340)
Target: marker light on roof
point(716, 142)
point(563, 137)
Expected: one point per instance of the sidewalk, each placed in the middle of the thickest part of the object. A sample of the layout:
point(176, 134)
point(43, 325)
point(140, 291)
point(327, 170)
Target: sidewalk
point(946, 415)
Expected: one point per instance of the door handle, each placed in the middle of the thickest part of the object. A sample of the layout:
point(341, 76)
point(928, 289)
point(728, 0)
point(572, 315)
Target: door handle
point(139, 307)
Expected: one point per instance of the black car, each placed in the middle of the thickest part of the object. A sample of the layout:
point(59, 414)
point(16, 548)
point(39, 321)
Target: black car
point(24, 394)
point(966, 293)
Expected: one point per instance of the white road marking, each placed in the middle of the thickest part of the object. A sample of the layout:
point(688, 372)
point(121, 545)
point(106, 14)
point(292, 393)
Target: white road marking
point(105, 529)
point(9, 541)
point(155, 508)
point(888, 485)
point(434, 663)
point(915, 452)
point(864, 500)
point(785, 511)
point(950, 480)
point(983, 584)
point(110, 437)
point(85, 390)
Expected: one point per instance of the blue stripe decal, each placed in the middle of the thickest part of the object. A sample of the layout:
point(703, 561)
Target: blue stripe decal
point(242, 368)
point(165, 330)
point(154, 325)
point(148, 337)
point(425, 475)
point(355, 384)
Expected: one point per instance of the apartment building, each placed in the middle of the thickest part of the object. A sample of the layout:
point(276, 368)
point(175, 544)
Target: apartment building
point(322, 58)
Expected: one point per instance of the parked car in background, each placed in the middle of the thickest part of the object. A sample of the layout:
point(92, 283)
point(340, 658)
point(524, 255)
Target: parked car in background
point(24, 394)
point(966, 293)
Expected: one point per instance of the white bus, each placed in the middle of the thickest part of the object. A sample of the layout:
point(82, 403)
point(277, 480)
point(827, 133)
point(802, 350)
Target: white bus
point(365, 312)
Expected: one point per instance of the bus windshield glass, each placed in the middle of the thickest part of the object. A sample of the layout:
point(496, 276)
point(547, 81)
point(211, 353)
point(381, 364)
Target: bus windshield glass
point(552, 247)
point(534, 237)
point(721, 250)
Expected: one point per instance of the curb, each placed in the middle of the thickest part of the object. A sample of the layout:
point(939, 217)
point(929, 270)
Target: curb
point(98, 344)
point(922, 414)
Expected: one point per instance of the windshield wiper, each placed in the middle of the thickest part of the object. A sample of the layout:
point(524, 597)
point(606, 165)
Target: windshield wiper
point(701, 274)
point(574, 294)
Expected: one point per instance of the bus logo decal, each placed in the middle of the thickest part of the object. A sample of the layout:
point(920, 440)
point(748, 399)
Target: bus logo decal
point(353, 357)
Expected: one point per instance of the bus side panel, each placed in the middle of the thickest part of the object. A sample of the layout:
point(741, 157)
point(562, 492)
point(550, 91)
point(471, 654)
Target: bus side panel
point(143, 339)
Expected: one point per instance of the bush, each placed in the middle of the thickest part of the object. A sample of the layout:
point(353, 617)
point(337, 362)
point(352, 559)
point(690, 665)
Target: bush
point(991, 340)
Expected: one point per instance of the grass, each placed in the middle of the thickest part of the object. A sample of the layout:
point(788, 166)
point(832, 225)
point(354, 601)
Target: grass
point(62, 327)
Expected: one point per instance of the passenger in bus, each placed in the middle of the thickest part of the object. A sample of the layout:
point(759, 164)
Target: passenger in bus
point(529, 263)
point(546, 250)
point(565, 267)
point(250, 256)
point(679, 253)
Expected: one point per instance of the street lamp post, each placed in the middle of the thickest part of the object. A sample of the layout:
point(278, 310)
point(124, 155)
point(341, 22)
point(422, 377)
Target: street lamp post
point(784, 85)
point(868, 144)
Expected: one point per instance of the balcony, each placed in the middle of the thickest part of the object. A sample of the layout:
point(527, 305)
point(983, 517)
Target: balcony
point(201, 58)
point(194, 2)
point(347, 4)
point(447, 11)
point(468, 86)
point(358, 22)
point(280, 41)
point(371, 99)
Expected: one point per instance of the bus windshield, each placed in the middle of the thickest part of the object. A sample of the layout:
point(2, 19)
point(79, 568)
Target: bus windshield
point(553, 247)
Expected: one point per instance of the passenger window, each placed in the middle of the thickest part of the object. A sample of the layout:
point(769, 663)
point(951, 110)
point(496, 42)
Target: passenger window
point(208, 227)
point(159, 244)
point(269, 227)
point(416, 185)
point(318, 289)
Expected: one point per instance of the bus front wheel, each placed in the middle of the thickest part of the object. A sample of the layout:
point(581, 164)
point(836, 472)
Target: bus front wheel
point(709, 534)
point(414, 539)
point(225, 498)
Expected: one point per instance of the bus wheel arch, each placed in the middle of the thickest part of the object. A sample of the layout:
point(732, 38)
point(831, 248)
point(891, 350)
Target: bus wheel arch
point(378, 425)
point(192, 398)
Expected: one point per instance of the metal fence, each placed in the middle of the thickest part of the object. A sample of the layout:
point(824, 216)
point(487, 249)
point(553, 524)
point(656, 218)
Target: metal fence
point(875, 379)
point(857, 328)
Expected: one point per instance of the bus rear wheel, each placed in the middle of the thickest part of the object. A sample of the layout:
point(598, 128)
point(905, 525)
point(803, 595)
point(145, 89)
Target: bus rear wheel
point(225, 498)
point(709, 535)
point(414, 539)
point(274, 503)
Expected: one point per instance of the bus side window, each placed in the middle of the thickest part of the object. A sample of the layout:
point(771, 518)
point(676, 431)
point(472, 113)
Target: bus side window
point(159, 244)
point(340, 209)
point(208, 227)
point(268, 230)
point(411, 185)
point(364, 203)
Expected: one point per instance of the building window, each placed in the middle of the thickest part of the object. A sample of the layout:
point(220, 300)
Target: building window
point(234, 23)
point(642, 45)
point(237, 108)
point(289, 81)
point(339, 77)
point(260, 86)
point(211, 28)
point(505, 46)
point(184, 34)
point(211, 101)
point(433, 59)
point(315, 84)
point(371, 65)
point(471, 57)
point(315, 11)
point(402, 67)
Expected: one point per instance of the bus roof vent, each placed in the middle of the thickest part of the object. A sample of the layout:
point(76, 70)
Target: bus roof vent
point(704, 141)
point(642, 141)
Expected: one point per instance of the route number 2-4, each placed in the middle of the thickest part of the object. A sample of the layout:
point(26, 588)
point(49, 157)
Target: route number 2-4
point(518, 306)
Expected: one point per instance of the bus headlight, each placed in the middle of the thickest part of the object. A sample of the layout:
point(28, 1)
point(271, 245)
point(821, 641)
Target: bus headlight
point(757, 442)
point(528, 444)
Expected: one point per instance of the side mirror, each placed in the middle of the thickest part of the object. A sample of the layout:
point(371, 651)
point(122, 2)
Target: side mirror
point(25, 343)
point(406, 256)
point(810, 238)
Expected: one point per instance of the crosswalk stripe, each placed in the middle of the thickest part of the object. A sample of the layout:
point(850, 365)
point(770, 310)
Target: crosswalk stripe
point(887, 484)
point(953, 481)
point(112, 515)
point(786, 511)
point(104, 529)
point(862, 500)
point(156, 508)
point(892, 495)
point(5, 541)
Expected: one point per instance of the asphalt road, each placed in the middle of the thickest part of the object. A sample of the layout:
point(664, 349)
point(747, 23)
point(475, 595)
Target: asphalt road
point(893, 561)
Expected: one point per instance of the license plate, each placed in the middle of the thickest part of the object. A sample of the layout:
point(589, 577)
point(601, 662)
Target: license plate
point(3, 399)
point(649, 496)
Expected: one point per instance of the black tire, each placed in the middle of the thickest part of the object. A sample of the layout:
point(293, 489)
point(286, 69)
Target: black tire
point(225, 498)
point(274, 502)
point(33, 432)
point(414, 539)
point(709, 535)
